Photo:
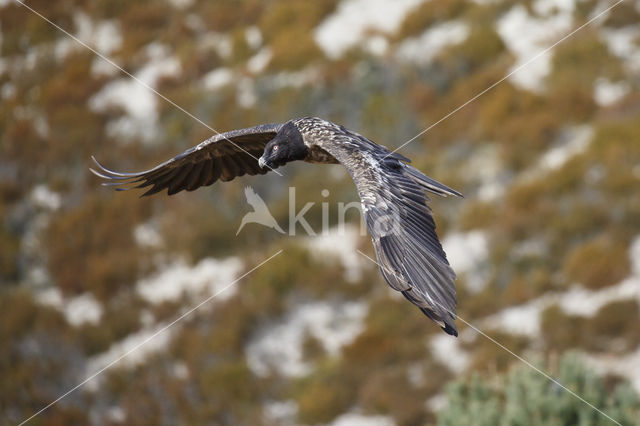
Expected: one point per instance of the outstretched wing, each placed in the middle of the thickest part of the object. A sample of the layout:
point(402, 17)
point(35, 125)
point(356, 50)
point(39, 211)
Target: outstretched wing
point(400, 223)
point(223, 157)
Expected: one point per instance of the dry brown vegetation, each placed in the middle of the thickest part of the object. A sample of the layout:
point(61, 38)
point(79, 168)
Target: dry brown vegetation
point(580, 218)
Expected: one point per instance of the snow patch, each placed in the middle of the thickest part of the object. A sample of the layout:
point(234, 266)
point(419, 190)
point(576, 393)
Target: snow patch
point(257, 63)
point(525, 318)
point(354, 419)
point(147, 235)
point(83, 309)
point(634, 256)
point(180, 370)
point(339, 244)
point(116, 414)
point(217, 78)
point(377, 45)
point(8, 90)
point(77, 310)
point(253, 36)
point(580, 301)
point(423, 49)
point(627, 366)
point(132, 350)
point(521, 319)
point(50, 297)
point(104, 36)
point(281, 412)
point(526, 36)
point(467, 253)
point(135, 98)
point(294, 79)
point(41, 196)
point(606, 92)
point(246, 95)
point(437, 403)
point(448, 352)
point(485, 167)
point(353, 20)
point(100, 67)
point(181, 4)
point(279, 347)
point(209, 276)
point(624, 43)
point(548, 7)
point(573, 141)
point(221, 43)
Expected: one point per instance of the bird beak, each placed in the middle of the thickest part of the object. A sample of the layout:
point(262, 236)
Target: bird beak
point(261, 162)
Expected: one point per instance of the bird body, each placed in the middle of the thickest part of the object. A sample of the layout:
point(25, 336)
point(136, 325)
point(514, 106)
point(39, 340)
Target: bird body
point(392, 193)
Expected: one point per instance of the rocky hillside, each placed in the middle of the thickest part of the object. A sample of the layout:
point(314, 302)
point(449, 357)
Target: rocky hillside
point(545, 145)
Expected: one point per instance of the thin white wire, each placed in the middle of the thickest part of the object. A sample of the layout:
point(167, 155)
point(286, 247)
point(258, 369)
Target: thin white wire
point(141, 82)
point(505, 77)
point(145, 341)
point(512, 353)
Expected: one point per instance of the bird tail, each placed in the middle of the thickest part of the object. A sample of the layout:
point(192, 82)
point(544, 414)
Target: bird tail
point(446, 324)
point(429, 184)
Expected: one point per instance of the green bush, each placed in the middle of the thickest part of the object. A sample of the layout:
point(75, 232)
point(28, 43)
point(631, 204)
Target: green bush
point(525, 397)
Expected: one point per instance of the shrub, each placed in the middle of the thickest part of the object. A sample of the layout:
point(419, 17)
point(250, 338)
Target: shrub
point(487, 356)
point(389, 392)
point(598, 263)
point(142, 23)
point(288, 28)
point(9, 249)
point(613, 328)
point(39, 361)
point(427, 14)
point(622, 15)
point(478, 215)
point(482, 46)
point(226, 15)
point(524, 396)
point(91, 247)
point(323, 395)
point(561, 331)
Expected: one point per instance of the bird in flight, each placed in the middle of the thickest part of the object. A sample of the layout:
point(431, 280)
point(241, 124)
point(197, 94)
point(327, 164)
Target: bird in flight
point(392, 194)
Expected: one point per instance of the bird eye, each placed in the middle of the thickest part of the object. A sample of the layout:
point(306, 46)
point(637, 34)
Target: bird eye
point(275, 147)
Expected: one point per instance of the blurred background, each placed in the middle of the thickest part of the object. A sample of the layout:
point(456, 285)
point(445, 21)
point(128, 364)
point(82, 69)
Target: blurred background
point(546, 243)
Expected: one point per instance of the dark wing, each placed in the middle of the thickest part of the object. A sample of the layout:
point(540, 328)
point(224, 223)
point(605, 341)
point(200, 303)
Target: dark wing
point(410, 256)
point(224, 156)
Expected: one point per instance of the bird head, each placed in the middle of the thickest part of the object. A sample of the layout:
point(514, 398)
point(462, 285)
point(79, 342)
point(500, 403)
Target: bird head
point(286, 146)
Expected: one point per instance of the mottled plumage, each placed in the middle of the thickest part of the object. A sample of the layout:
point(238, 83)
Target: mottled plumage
point(392, 193)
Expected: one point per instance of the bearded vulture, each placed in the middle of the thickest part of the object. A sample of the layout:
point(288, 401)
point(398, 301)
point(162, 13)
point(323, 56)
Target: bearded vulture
point(392, 193)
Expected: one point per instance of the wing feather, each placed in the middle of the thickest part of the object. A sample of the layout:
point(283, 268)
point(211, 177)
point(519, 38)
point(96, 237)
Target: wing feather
point(224, 157)
point(409, 253)
point(194, 180)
